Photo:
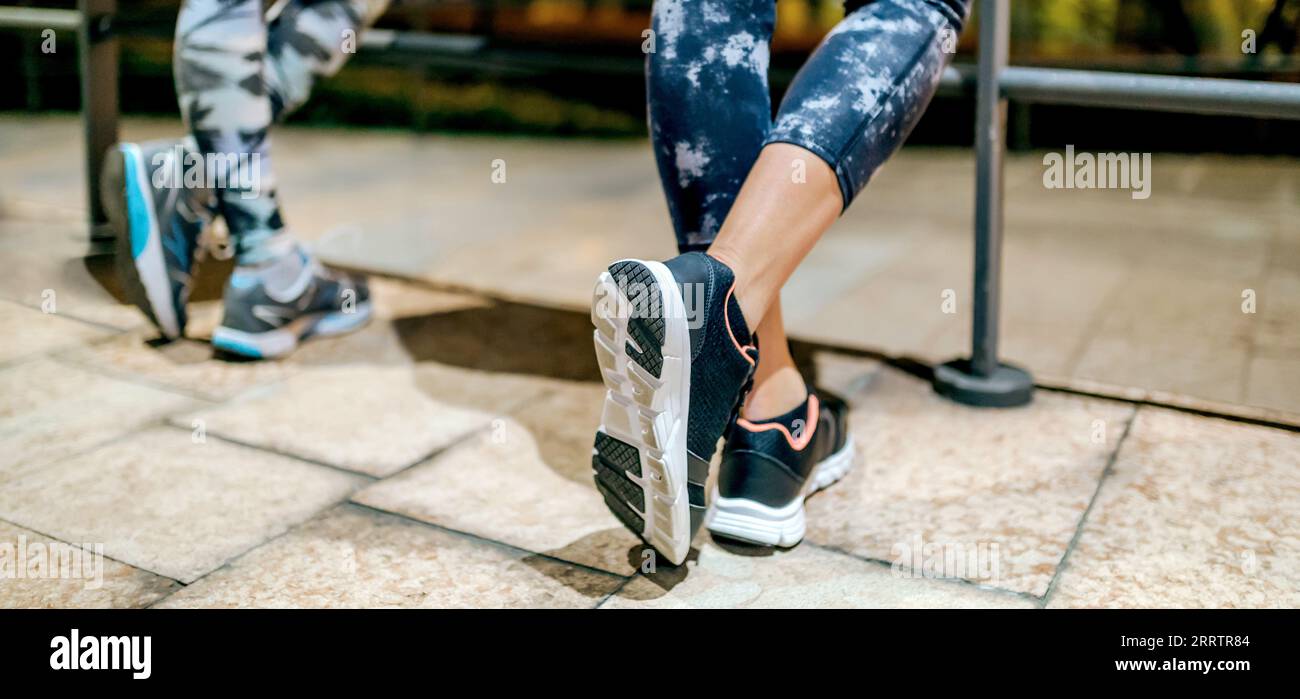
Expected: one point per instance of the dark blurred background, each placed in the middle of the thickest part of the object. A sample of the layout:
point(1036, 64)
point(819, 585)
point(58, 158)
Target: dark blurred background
point(574, 67)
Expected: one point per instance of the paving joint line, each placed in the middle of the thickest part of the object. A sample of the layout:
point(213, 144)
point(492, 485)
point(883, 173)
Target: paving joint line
point(64, 357)
point(484, 539)
point(276, 452)
point(106, 557)
point(115, 439)
point(616, 591)
point(232, 559)
point(952, 581)
point(1083, 519)
point(115, 330)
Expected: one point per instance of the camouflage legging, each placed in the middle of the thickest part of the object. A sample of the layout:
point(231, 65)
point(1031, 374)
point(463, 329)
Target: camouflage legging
point(235, 76)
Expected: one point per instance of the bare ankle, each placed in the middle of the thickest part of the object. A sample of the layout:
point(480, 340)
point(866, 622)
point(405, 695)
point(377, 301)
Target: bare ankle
point(775, 393)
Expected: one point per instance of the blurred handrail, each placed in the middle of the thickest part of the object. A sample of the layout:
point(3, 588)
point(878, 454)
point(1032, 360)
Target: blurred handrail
point(98, 63)
point(39, 18)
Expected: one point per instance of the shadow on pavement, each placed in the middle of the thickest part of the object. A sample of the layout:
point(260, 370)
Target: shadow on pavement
point(505, 337)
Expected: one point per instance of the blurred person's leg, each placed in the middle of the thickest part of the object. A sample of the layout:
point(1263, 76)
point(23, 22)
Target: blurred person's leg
point(161, 209)
point(308, 40)
point(235, 76)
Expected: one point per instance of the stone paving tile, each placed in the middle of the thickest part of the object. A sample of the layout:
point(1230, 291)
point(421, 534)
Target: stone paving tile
point(1197, 512)
point(894, 311)
point(184, 365)
point(47, 256)
point(526, 482)
point(1019, 478)
point(803, 577)
point(1047, 311)
point(50, 410)
point(372, 420)
point(38, 577)
point(1271, 382)
point(351, 557)
point(30, 332)
point(161, 502)
point(487, 391)
point(1153, 303)
point(1278, 307)
point(396, 298)
point(1169, 365)
point(1160, 334)
point(823, 277)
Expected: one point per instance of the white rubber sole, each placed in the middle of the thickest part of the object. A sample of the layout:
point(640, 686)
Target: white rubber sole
point(283, 340)
point(150, 266)
point(646, 412)
point(751, 521)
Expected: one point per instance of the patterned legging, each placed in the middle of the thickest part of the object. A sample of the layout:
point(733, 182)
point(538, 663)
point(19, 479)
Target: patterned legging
point(852, 104)
point(236, 75)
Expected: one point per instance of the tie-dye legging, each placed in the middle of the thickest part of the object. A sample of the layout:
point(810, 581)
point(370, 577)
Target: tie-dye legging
point(235, 76)
point(852, 104)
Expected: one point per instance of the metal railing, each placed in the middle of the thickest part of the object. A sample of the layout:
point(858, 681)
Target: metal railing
point(98, 56)
point(981, 379)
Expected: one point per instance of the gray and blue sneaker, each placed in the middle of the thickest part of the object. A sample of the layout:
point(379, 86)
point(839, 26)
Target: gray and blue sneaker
point(158, 222)
point(677, 359)
point(270, 308)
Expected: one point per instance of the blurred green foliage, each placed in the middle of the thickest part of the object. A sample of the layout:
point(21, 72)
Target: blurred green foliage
point(1063, 28)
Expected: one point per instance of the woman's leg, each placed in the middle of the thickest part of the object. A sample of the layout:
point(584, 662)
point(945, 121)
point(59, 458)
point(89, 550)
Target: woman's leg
point(848, 110)
point(672, 339)
point(710, 113)
point(709, 106)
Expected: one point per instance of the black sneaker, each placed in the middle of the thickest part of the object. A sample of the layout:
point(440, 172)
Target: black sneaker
point(158, 223)
point(769, 468)
point(269, 310)
point(677, 358)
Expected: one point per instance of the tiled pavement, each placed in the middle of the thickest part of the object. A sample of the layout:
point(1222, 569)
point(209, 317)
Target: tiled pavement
point(1135, 298)
point(416, 464)
point(429, 460)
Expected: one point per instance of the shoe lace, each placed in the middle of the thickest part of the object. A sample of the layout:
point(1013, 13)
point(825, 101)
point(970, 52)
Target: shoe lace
point(213, 240)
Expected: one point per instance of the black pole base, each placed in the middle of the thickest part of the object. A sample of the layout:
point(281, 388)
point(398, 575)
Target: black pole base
point(1007, 387)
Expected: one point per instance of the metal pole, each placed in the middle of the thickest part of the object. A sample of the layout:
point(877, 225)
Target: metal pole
point(982, 380)
point(99, 100)
point(990, 141)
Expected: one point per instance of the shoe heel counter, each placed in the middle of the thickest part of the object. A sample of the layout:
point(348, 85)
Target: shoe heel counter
point(749, 474)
